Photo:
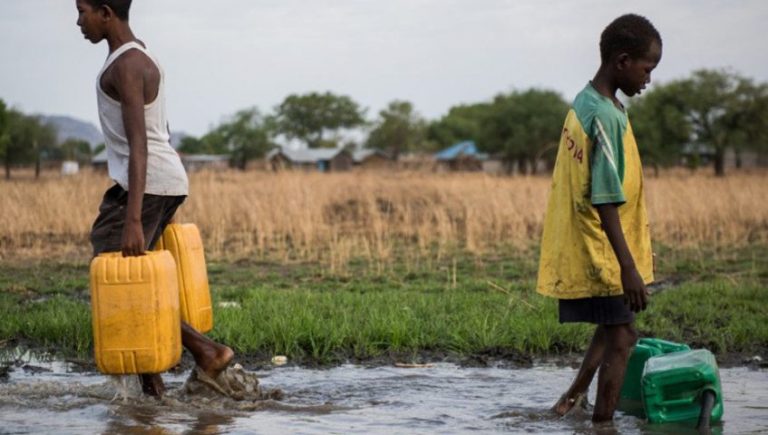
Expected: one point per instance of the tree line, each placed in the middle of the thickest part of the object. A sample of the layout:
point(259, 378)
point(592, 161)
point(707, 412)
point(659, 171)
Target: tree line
point(715, 110)
point(26, 140)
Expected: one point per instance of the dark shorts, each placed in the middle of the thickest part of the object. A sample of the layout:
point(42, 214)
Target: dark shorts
point(610, 310)
point(156, 212)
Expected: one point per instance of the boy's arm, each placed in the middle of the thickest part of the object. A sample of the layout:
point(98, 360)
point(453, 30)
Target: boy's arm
point(607, 193)
point(631, 281)
point(130, 86)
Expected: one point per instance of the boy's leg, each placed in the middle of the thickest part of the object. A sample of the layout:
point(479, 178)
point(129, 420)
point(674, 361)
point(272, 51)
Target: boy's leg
point(592, 360)
point(619, 340)
point(156, 211)
point(152, 384)
point(210, 356)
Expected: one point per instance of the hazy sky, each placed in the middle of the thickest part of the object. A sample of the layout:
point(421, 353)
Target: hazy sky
point(222, 56)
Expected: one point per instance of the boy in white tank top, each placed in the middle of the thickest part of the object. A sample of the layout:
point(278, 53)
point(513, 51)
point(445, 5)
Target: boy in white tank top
point(150, 179)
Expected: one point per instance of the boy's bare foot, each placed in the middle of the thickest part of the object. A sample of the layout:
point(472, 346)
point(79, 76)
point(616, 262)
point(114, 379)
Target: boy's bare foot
point(152, 384)
point(605, 428)
point(211, 357)
point(214, 364)
point(566, 404)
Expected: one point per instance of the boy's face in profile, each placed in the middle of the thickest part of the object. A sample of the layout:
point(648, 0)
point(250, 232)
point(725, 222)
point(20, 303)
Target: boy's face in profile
point(634, 74)
point(90, 21)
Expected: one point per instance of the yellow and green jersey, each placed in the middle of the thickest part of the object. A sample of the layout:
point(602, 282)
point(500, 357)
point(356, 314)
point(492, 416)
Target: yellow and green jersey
point(597, 163)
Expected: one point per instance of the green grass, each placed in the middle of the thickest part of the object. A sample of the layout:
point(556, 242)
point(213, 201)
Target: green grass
point(722, 315)
point(461, 306)
point(323, 324)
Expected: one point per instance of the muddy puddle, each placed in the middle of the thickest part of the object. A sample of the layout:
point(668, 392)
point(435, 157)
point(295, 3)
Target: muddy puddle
point(55, 397)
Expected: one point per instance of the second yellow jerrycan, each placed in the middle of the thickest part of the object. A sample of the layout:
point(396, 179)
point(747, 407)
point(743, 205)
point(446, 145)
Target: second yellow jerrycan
point(184, 243)
point(135, 307)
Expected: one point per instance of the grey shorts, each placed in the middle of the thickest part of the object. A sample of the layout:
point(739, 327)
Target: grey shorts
point(610, 310)
point(107, 231)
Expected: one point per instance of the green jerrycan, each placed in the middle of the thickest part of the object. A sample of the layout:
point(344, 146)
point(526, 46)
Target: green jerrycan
point(645, 349)
point(674, 386)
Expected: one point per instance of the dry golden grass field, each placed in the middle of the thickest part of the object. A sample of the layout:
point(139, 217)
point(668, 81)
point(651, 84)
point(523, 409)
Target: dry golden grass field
point(332, 218)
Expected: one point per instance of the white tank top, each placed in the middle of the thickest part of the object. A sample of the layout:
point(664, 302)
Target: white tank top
point(165, 173)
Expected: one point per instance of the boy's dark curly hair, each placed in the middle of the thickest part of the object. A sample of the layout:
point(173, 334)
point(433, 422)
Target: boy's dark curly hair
point(120, 7)
point(631, 34)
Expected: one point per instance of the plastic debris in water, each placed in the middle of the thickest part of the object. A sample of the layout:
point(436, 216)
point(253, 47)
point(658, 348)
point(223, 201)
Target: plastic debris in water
point(279, 360)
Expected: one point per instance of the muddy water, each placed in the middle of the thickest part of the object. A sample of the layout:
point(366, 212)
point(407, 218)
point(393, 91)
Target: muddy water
point(53, 397)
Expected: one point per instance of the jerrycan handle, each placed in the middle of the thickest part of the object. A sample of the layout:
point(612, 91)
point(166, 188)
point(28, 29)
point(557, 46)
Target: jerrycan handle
point(708, 398)
point(677, 402)
point(688, 400)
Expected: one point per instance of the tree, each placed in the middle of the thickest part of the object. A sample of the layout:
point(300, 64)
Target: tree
point(755, 121)
point(249, 136)
point(713, 108)
point(524, 127)
point(521, 127)
point(245, 136)
point(216, 141)
point(25, 141)
point(99, 148)
point(398, 129)
point(75, 149)
point(725, 110)
point(659, 123)
point(43, 140)
point(463, 122)
point(211, 143)
point(308, 117)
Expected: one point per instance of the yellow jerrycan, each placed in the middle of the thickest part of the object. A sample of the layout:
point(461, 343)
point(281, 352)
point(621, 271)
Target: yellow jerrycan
point(184, 243)
point(135, 307)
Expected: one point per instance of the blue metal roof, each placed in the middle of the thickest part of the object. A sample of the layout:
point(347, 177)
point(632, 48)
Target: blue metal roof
point(466, 148)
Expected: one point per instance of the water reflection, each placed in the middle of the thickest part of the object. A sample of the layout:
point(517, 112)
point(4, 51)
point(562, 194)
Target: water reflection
point(156, 421)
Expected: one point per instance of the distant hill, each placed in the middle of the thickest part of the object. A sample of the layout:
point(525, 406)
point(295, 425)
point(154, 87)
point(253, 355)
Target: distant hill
point(72, 128)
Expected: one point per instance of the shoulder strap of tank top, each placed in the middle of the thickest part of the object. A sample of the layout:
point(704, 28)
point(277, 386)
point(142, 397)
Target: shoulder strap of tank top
point(122, 49)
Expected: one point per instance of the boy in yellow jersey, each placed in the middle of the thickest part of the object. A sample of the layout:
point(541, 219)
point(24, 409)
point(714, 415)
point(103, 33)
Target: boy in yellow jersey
point(596, 249)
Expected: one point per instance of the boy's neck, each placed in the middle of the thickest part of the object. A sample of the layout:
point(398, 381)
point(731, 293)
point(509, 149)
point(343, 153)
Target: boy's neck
point(120, 34)
point(605, 84)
